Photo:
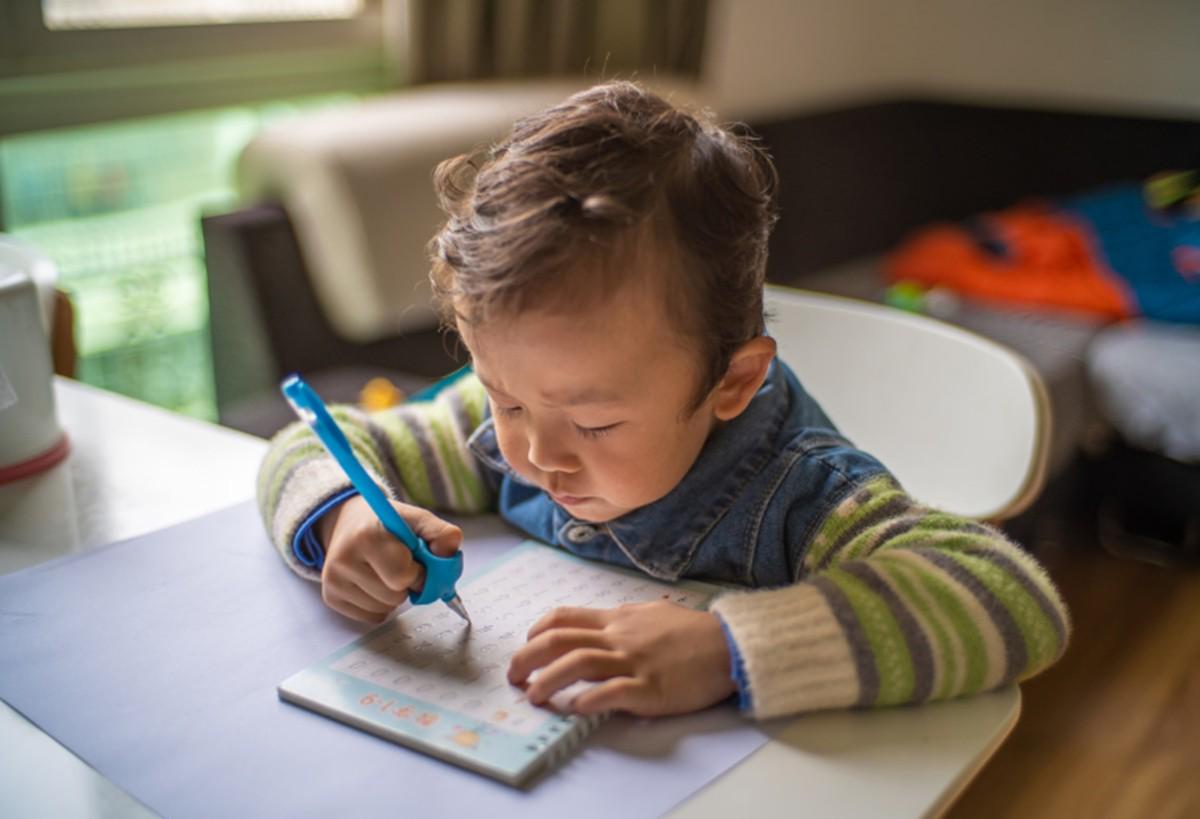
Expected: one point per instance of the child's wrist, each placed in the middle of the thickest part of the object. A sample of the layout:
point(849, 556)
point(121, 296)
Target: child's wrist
point(326, 523)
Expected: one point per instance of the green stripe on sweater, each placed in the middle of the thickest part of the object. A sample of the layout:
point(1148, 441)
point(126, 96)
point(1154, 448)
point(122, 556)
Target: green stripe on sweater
point(850, 513)
point(960, 620)
point(888, 647)
point(947, 540)
point(945, 661)
point(1037, 631)
point(468, 489)
point(283, 439)
point(835, 525)
point(406, 452)
point(361, 441)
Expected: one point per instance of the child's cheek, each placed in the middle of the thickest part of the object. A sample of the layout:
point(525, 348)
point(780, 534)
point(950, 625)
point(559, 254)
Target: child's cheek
point(512, 447)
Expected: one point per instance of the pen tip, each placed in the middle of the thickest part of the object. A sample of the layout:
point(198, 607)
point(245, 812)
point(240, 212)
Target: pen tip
point(456, 605)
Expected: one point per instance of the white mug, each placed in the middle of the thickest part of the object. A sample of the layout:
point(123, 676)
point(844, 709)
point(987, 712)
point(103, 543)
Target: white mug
point(30, 437)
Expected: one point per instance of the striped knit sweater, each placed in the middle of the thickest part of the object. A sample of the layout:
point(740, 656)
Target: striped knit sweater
point(898, 603)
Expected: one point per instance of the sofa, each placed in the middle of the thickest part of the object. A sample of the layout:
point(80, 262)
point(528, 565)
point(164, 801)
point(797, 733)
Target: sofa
point(854, 180)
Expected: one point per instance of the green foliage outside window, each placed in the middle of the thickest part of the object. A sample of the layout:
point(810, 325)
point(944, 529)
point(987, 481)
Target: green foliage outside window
point(118, 207)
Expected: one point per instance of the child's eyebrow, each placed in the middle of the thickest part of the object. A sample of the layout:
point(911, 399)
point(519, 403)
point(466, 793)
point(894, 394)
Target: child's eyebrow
point(488, 385)
point(587, 395)
point(568, 398)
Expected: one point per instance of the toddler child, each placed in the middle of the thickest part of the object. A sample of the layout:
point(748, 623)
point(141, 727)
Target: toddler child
point(604, 267)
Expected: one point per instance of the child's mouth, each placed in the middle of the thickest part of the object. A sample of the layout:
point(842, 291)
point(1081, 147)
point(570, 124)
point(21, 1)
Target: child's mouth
point(568, 500)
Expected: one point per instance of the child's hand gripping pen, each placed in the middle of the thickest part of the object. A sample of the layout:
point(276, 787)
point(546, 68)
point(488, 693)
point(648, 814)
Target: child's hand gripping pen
point(441, 573)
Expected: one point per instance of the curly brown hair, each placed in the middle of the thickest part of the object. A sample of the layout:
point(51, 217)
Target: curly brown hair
point(560, 211)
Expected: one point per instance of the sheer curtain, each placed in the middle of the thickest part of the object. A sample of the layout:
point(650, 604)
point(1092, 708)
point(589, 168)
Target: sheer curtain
point(449, 40)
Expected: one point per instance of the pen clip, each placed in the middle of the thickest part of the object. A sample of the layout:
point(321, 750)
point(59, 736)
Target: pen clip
point(311, 409)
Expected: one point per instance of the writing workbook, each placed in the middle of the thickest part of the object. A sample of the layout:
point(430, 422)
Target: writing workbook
point(427, 680)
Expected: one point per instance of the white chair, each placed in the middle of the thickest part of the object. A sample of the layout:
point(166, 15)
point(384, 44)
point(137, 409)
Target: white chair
point(961, 421)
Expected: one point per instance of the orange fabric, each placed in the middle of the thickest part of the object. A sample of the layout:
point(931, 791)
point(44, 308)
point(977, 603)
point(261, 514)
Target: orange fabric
point(1050, 262)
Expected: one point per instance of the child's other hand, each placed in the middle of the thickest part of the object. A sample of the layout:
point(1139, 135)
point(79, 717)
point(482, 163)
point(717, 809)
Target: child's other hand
point(649, 658)
point(367, 571)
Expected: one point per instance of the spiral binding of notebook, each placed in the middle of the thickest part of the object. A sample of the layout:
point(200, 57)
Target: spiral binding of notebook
point(554, 751)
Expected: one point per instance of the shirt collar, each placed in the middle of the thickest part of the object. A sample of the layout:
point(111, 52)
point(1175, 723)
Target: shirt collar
point(662, 537)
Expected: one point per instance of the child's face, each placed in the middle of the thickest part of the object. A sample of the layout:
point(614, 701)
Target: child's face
point(590, 404)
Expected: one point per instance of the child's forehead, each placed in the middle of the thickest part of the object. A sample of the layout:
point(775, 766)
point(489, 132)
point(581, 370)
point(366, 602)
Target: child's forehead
point(644, 283)
point(620, 308)
point(588, 351)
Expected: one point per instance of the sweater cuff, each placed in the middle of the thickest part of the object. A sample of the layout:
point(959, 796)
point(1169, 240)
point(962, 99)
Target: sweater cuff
point(737, 669)
point(308, 487)
point(306, 546)
point(793, 653)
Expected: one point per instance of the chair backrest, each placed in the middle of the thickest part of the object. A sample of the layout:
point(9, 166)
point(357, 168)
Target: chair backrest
point(961, 421)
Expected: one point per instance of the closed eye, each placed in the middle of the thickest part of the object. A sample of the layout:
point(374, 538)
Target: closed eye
point(596, 432)
point(586, 432)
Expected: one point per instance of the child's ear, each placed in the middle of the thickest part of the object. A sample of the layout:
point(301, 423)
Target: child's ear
point(746, 373)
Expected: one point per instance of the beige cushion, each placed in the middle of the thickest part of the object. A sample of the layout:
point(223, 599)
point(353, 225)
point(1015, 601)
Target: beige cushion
point(357, 183)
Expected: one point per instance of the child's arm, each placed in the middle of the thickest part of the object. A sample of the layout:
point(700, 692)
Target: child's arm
point(417, 452)
point(898, 603)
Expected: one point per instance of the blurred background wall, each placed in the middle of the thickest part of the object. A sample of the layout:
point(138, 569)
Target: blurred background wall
point(769, 56)
point(116, 136)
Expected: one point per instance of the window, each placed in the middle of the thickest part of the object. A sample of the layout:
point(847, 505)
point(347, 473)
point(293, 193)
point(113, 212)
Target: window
point(74, 14)
point(120, 122)
point(117, 207)
point(71, 62)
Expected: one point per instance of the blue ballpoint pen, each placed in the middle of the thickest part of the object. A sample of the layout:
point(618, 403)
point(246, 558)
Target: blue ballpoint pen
point(441, 573)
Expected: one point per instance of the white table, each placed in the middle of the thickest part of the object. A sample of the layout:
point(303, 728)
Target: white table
point(136, 468)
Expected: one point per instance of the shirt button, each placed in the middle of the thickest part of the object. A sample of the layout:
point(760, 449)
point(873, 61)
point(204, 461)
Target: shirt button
point(581, 533)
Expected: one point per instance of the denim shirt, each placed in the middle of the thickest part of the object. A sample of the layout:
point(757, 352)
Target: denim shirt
point(744, 514)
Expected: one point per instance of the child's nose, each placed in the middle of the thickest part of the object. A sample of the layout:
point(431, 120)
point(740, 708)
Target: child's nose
point(548, 453)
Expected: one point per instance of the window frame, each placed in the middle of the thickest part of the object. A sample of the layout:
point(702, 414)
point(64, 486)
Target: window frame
point(51, 78)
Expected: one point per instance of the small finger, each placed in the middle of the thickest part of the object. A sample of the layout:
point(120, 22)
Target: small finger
point(354, 611)
point(355, 583)
point(570, 617)
point(364, 576)
point(588, 664)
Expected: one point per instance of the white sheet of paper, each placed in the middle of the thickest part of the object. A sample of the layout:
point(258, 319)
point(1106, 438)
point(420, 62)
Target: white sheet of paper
point(156, 662)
